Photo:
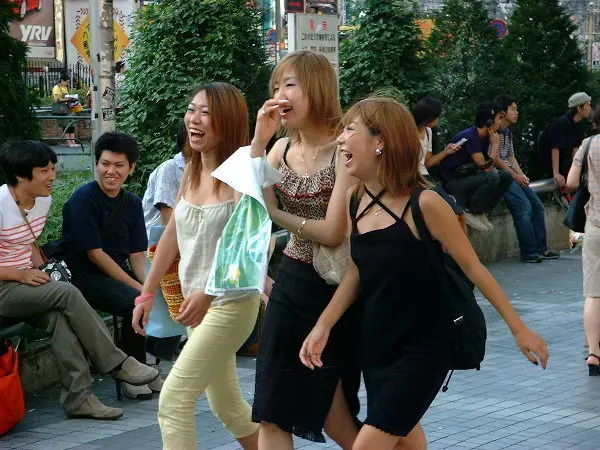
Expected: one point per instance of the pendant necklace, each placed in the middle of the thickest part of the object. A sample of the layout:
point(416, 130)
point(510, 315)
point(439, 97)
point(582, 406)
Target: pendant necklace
point(306, 175)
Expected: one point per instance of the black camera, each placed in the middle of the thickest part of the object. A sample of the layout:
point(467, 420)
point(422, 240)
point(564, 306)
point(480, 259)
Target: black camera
point(57, 270)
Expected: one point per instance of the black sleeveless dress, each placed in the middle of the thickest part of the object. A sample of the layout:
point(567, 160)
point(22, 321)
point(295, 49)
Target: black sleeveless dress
point(405, 332)
point(286, 393)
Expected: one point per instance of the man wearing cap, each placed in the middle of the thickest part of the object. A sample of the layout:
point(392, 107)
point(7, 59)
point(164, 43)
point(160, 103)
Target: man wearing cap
point(565, 136)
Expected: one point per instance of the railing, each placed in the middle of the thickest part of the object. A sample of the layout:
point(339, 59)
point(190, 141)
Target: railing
point(45, 75)
point(543, 186)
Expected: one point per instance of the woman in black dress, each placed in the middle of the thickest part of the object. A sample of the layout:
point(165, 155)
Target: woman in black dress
point(404, 348)
point(289, 398)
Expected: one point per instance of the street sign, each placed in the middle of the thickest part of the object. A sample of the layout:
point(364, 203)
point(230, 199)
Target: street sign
point(271, 36)
point(500, 27)
point(316, 32)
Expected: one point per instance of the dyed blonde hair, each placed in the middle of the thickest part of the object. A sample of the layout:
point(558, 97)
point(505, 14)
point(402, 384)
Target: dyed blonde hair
point(399, 163)
point(318, 82)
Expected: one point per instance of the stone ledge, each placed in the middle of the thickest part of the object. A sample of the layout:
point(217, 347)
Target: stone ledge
point(501, 242)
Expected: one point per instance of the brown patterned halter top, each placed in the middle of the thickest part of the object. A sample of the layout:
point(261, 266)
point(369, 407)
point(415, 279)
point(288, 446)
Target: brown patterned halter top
point(305, 197)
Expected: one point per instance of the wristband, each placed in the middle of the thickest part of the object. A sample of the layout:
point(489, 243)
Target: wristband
point(301, 227)
point(143, 298)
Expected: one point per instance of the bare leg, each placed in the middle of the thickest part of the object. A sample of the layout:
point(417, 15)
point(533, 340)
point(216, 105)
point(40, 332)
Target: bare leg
point(249, 442)
point(271, 437)
point(415, 440)
point(591, 324)
point(370, 438)
point(339, 424)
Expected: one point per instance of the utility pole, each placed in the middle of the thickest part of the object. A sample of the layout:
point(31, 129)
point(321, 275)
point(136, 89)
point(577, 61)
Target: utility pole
point(102, 61)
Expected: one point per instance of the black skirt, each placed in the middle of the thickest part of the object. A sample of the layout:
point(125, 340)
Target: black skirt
point(288, 394)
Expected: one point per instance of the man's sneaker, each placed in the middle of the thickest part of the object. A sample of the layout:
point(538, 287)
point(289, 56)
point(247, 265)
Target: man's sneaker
point(92, 408)
point(476, 221)
point(550, 255)
point(561, 199)
point(532, 259)
point(134, 372)
point(136, 392)
point(486, 221)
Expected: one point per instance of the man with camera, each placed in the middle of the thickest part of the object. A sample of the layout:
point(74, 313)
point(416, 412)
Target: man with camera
point(32, 295)
point(104, 237)
point(468, 174)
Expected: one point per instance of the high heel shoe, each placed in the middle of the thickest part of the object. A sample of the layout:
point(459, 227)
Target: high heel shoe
point(594, 370)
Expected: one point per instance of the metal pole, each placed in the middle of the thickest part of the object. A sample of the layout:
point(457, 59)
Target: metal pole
point(102, 56)
point(590, 32)
point(278, 28)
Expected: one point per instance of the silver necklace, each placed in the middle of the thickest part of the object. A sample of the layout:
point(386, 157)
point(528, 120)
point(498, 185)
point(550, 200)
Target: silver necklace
point(306, 175)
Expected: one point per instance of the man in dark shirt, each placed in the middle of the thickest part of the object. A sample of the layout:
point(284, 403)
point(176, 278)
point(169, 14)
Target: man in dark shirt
point(565, 136)
point(478, 188)
point(105, 240)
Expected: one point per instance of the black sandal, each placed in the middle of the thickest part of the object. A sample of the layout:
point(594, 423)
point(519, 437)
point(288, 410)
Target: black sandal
point(594, 370)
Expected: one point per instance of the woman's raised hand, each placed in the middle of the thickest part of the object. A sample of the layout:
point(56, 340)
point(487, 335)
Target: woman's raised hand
point(267, 122)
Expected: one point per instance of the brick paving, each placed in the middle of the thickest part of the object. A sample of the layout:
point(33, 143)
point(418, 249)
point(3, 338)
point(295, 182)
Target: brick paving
point(510, 403)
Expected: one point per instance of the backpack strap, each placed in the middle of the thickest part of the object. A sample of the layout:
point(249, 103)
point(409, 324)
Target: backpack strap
point(433, 248)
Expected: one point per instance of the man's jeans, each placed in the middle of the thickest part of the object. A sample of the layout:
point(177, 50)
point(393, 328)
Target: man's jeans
point(528, 214)
point(481, 192)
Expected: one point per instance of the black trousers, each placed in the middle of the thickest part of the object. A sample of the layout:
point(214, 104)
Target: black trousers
point(114, 297)
point(481, 192)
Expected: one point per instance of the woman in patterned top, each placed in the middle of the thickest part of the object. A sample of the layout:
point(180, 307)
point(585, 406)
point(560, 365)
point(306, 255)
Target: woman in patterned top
point(289, 398)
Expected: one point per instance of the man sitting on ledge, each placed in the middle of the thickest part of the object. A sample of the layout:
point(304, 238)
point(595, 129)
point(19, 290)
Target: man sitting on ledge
point(29, 294)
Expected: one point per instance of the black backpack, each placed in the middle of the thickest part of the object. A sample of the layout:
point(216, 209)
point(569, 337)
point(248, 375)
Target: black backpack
point(470, 330)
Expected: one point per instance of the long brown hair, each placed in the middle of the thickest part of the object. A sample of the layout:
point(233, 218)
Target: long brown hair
point(318, 82)
point(399, 167)
point(229, 121)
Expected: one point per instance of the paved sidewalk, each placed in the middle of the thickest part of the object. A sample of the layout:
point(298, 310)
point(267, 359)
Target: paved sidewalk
point(509, 403)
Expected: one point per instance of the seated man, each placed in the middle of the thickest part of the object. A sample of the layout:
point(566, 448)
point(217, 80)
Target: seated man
point(468, 174)
point(104, 238)
point(524, 205)
point(28, 294)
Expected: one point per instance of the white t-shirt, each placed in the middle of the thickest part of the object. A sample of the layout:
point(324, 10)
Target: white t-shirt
point(163, 185)
point(426, 146)
point(15, 235)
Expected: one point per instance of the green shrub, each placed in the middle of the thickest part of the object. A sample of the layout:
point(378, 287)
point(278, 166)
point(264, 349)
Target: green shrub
point(176, 45)
point(466, 63)
point(64, 187)
point(383, 52)
point(17, 120)
point(546, 69)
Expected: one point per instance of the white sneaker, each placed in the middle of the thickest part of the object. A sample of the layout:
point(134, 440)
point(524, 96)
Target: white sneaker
point(486, 221)
point(476, 221)
point(136, 392)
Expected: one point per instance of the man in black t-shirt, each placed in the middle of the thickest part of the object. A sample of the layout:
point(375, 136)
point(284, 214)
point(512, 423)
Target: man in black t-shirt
point(565, 136)
point(104, 237)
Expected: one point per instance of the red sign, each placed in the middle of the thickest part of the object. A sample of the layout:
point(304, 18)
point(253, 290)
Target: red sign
point(500, 27)
point(293, 6)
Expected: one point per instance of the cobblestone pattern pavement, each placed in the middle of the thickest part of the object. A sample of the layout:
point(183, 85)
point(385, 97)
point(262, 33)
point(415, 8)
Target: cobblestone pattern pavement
point(510, 403)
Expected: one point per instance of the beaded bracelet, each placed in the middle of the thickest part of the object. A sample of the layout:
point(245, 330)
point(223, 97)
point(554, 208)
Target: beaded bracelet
point(143, 298)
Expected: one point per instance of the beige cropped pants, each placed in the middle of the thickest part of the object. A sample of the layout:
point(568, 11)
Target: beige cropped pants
point(208, 364)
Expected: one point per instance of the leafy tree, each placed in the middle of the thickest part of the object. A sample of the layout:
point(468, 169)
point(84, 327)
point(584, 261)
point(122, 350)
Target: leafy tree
point(547, 67)
point(466, 63)
point(383, 52)
point(17, 119)
point(176, 45)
